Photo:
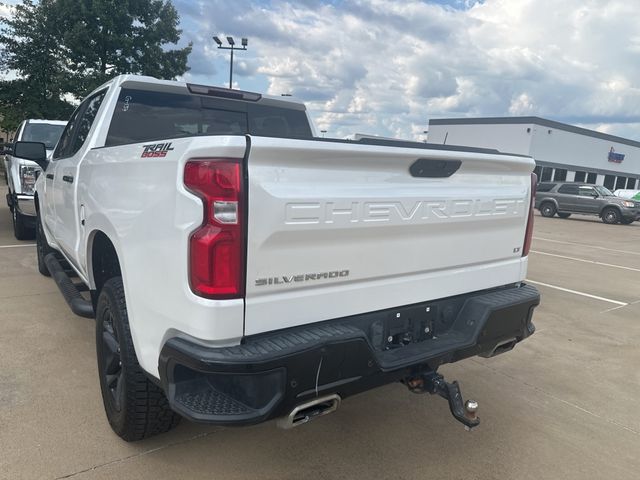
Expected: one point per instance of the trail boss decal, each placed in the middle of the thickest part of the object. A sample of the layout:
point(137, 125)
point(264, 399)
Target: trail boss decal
point(306, 277)
point(156, 150)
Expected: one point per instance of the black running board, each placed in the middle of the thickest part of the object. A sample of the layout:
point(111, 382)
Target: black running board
point(78, 304)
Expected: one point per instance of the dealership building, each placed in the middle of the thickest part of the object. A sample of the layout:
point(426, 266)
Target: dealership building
point(562, 152)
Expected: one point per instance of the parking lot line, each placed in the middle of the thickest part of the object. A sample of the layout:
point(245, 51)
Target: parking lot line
point(586, 245)
point(586, 261)
point(17, 246)
point(595, 297)
point(621, 306)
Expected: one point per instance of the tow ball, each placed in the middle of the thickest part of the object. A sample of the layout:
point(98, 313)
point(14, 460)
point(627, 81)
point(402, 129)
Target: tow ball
point(435, 384)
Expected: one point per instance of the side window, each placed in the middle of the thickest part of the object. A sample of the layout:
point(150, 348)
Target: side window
point(545, 187)
point(587, 191)
point(568, 189)
point(77, 130)
point(15, 135)
point(88, 116)
point(64, 143)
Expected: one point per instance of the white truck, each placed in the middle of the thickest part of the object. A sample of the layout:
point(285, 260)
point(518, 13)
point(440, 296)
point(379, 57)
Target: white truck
point(240, 269)
point(21, 174)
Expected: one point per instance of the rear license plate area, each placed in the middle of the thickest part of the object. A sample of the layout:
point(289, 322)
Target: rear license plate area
point(408, 325)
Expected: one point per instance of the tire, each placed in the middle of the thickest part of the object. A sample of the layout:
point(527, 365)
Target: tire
point(20, 229)
point(564, 215)
point(610, 215)
point(547, 209)
point(626, 221)
point(135, 407)
point(42, 248)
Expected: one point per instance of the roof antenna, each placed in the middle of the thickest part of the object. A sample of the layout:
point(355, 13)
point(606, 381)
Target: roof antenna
point(445, 138)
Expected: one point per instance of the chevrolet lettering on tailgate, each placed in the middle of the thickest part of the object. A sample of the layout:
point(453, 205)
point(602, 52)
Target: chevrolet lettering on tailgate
point(401, 211)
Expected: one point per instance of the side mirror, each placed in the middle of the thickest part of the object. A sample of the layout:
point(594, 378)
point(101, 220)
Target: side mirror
point(34, 151)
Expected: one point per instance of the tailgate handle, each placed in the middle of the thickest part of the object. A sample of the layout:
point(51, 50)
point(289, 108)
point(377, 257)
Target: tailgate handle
point(428, 168)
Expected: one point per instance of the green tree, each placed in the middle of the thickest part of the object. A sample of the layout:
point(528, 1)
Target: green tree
point(63, 49)
point(30, 46)
point(103, 38)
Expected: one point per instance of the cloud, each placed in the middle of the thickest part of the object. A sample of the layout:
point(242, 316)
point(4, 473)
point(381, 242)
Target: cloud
point(386, 67)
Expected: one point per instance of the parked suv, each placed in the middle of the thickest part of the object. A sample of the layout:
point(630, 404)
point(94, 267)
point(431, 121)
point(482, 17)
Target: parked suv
point(567, 198)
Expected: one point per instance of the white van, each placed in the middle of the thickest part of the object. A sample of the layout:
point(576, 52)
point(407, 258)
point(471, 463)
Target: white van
point(630, 194)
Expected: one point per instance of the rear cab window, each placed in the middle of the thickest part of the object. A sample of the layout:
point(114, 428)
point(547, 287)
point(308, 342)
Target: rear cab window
point(142, 116)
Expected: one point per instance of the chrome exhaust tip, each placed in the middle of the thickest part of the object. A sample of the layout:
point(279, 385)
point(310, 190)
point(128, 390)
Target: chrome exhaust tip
point(310, 410)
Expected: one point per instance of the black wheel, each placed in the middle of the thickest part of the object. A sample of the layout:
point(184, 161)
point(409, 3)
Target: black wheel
point(610, 215)
point(626, 221)
point(42, 248)
point(548, 209)
point(135, 407)
point(564, 215)
point(20, 229)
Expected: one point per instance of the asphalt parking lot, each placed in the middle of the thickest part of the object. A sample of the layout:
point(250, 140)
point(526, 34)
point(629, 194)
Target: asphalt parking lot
point(563, 404)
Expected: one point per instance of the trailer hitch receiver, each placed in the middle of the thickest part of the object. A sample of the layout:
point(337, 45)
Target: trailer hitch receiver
point(435, 384)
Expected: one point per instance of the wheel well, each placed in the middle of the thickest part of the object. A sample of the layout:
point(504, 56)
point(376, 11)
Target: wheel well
point(548, 200)
point(104, 261)
point(606, 207)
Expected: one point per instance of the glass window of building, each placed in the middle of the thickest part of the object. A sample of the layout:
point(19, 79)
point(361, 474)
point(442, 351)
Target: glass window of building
point(560, 174)
point(609, 181)
point(547, 173)
point(621, 182)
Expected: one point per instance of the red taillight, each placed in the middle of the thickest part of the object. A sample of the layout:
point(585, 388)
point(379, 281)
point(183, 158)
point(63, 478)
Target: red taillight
point(528, 236)
point(216, 248)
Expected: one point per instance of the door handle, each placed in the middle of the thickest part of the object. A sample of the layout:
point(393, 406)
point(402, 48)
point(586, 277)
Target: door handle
point(50, 176)
point(67, 178)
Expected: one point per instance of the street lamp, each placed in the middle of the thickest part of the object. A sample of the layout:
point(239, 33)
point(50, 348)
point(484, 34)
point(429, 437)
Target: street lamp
point(323, 132)
point(232, 47)
point(425, 135)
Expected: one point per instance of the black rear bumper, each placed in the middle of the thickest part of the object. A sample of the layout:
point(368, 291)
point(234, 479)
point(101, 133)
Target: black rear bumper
point(268, 375)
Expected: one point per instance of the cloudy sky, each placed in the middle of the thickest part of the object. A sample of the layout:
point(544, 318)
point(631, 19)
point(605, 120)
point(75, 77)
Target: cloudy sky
point(386, 67)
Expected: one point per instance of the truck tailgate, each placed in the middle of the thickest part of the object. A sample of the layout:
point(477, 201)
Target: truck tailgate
point(338, 229)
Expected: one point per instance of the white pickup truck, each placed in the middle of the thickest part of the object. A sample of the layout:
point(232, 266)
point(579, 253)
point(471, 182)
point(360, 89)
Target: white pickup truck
point(21, 174)
point(241, 269)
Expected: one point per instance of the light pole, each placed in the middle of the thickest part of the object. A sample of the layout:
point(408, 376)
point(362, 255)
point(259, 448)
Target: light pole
point(232, 47)
point(425, 135)
point(323, 132)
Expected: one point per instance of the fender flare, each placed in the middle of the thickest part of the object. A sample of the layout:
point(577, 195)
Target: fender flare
point(547, 200)
point(610, 205)
point(100, 224)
